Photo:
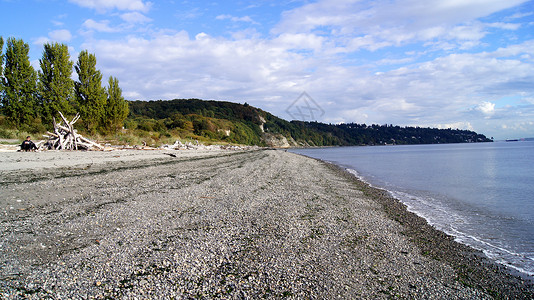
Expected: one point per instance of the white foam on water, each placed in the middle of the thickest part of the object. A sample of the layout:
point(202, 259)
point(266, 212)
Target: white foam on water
point(444, 219)
point(479, 209)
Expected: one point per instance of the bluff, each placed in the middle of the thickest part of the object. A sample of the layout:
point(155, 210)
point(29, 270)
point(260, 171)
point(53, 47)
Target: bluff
point(222, 121)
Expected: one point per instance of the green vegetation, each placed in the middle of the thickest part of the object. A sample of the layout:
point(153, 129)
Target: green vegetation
point(19, 84)
point(90, 95)
point(56, 88)
point(115, 108)
point(361, 134)
point(30, 100)
point(211, 121)
point(206, 121)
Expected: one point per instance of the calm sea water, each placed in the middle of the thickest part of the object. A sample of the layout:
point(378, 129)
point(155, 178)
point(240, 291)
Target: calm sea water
point(482, 194)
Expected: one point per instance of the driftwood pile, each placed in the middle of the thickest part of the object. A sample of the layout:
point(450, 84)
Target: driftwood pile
point(65, 137)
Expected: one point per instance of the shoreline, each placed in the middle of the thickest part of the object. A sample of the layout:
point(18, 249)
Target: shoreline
point(443, 246)
point(510, 269)
point(262, 223)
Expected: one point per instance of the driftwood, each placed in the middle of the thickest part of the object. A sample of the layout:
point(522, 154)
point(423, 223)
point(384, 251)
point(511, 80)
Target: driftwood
point(65, 137)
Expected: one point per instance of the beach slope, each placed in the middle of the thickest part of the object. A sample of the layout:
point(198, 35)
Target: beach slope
point(229, 224)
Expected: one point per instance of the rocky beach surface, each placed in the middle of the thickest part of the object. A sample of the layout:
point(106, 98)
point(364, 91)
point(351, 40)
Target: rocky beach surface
point(221, 224)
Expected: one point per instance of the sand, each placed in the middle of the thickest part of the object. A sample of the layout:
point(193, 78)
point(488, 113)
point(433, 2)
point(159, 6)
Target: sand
point(220, 224)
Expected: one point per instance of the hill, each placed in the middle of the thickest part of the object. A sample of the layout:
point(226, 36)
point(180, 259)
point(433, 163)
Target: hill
point(221, 121)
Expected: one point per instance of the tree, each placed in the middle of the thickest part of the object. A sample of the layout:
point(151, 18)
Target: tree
point(19, 99)
point(90, 95)
point(55, 83)
point(1, 73)
point(1, 57)
point(116, 107)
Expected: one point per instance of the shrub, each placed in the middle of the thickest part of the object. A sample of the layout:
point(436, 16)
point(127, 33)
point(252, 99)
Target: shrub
point(6, 133)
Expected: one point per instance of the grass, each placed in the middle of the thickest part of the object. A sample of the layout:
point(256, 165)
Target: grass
point(152, 138)
point(12, 136)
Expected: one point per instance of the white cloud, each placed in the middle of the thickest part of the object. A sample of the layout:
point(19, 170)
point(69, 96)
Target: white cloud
point(61, 35)
point(519, 16)
point(377, 24)
point(299, 41)
point(102, 26)
point(390, 61)
point(526, 47)
point(507, 26)
point(525, 127)
point(189, 14)
point(468, 32)
point(177, 66)
point(41, 40)
point(105, 5)
point(135, 17)
point(246, 19)
point(455, 125)
point(486, 108)
point(358, 115)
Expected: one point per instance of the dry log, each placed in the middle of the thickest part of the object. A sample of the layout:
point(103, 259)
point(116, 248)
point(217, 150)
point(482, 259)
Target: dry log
point(83, 139)
point(52, 134)
point(65, 137)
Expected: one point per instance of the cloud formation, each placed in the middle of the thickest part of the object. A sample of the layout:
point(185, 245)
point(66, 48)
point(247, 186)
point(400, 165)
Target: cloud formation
point(377, 24)
point(105, 5)
point(236, 19)
point(60, 35)
point(135, 17)
point(100, 26)
point(459, 64)
point(486, 108)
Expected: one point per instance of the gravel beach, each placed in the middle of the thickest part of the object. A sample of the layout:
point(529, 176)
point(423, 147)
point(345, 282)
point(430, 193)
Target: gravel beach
point(221, 224)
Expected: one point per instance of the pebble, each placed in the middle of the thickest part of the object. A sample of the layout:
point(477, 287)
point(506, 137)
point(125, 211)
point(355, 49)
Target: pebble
point(231, 224)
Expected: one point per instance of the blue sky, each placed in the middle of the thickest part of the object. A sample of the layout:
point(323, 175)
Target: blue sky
point(444, 63)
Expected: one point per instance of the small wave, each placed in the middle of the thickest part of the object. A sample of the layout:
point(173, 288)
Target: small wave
point(444, 218)
point(478, 213)
point(499, 254)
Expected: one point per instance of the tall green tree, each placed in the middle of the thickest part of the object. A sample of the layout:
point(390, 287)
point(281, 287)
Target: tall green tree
point(1, 73)
point(90, 95)
point(116, 107)
point(19, 99)
point(55, 84)
point(1, 55)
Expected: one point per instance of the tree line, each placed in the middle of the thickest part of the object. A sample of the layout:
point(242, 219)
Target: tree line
point(208, 121)
point(362, 134)
point(243, 124)
point(29, 97)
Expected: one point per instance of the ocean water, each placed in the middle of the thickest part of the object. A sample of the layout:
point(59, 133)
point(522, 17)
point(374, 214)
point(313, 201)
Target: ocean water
point(482, 194)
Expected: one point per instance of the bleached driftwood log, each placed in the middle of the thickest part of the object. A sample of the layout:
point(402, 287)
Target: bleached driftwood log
point(65, 137)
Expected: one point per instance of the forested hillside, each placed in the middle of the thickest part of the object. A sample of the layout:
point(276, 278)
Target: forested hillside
point(244, 124)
